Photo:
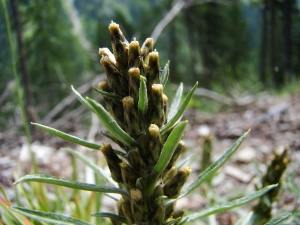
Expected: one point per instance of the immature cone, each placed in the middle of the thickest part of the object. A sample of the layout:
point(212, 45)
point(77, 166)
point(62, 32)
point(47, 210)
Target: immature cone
point(135, 99)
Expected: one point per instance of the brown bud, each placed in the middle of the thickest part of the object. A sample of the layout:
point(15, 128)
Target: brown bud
point(113, 162)
point(138, 206)
point(155, 143)
point(158, 215)
point(107, 53)
point(134, 83)
point(169, 174)
point(126, 209)
point(136, 195)
point(146, 48)
point(116, 80)
point(157, 90)
point(136, 160)
point(129, 175)
point(173, 186)
point(120, 45)
point(134, 54)
point(103, 86)
point(133, 125)
point(156, 108)
point(158, 191)
point(152, 71)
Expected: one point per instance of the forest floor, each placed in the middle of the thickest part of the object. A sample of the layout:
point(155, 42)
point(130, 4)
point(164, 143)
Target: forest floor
point(274, 123)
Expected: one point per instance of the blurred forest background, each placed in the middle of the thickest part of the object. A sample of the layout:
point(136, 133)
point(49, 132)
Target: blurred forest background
point(224, 44)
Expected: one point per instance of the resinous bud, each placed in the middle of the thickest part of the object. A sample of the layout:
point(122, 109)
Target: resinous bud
point(158, 191)
point(113, 162)
point(155, 143)
point(115, 78)
point(107, 53)
point(169, 174)
point(129, 175)
point(156, 107)
point(136, 160)
point(146, 48)
point(134, 82)
point(103, 86)
point(120, 45)
point(157, 89)
point(152, 72)
point(173, 186)
point(138, 206)
point(131, 118)
point(134, 54)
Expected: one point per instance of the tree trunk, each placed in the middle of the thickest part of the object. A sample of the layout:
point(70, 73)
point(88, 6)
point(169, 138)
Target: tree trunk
point(273, 66)
point(287, 38)
point(263, 44)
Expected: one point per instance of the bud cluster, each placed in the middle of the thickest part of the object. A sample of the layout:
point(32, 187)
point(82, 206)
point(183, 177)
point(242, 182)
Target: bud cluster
point(127, 67)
